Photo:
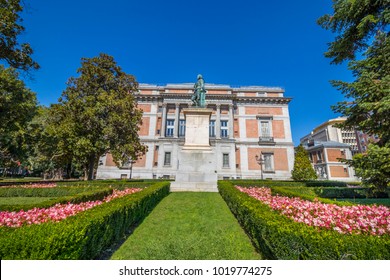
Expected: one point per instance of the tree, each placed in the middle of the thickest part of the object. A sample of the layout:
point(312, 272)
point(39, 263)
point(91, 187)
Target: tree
point(362, 28)
point(15, 54)
point(374, 167)
point(49, 151)
point(355, 22)
point(303, 170)
point(17, 108)
point(97, 114)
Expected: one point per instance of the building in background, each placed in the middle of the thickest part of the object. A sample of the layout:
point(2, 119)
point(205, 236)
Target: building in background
point(249, 132)
point(325, 155)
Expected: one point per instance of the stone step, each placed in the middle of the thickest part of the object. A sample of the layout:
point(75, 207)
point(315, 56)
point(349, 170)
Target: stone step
point(193, 187)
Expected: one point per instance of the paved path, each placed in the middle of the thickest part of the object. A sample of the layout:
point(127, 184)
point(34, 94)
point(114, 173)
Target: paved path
point(188, 226)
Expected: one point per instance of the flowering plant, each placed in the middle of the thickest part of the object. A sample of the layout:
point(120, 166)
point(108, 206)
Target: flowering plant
point(357, 219)
point(34, 185)
point(57, 212)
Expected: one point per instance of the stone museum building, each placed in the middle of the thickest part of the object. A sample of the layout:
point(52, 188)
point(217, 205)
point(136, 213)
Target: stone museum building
point(249, 133)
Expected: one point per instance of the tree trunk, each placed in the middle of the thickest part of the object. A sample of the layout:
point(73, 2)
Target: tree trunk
point(91, 168)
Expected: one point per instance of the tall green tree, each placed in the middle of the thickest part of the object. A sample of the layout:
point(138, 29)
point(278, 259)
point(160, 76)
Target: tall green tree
point(17, 108)
point(303, 170)
point(97, 114)
point(16, 54)
point(49, 151)
point(362, 28)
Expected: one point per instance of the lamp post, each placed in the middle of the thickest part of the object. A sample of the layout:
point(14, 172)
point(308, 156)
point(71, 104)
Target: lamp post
point(131, 168)
point(260, 161)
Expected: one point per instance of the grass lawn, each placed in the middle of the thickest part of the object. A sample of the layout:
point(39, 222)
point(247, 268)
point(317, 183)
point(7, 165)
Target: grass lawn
point(20, 200)
point(368, 201)
point(186, 226)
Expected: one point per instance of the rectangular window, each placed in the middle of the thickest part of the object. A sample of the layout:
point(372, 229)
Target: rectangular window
point(225, 160)
point(167, 159)
point(224, 129)
point(182, 127)
point(265, 130)
point(170, 128)
point(268, 162)
point(212, 128)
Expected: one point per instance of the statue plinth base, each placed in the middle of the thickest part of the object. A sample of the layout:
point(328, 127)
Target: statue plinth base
point(197, 162)
point(197, 128)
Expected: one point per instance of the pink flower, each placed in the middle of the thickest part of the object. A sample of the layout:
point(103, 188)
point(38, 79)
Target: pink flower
point(357, 219)
point(55, 213)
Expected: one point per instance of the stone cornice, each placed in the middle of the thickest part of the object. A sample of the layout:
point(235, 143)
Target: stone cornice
point(217, 97)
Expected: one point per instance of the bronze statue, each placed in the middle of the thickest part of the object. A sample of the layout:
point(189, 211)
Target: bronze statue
point(199, 97)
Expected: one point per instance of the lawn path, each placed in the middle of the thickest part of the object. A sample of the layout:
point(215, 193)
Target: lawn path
point(186, 226)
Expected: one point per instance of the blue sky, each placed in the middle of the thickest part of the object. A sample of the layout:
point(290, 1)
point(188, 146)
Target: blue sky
point(240, 43)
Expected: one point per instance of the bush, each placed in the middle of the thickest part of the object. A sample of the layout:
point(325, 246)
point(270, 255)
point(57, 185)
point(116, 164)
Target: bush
point(85, 235)
point(278, 237)
point(73, 195)
point(341, 192)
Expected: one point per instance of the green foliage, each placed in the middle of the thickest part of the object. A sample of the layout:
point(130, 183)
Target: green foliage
point(355, 22)
point(303, 170)
point(97, 114)
point(85, 235)
point(61, 195)
point(271, 183)
point(15, 54)
point(17, 108)
point(363, 28)
point(341, 192)
point(374, 167)
point(278, 237)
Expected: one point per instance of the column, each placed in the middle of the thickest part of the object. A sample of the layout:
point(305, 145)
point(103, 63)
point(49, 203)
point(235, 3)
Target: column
point(218, 123)
point(177, 119)
point(163, 119)
point(231, 120)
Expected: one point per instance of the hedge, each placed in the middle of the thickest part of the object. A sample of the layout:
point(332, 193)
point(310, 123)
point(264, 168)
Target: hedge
point(278, 237)
point(270, 183)
point(72, 195)
point(85, 235)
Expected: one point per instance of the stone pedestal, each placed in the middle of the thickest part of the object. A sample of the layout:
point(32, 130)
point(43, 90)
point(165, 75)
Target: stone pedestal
point(197, 169)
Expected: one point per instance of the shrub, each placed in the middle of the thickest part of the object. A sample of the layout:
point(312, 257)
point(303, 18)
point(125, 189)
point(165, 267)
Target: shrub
point(278, 237)
point(303, 170)
point(85, 235)
point(72, 195)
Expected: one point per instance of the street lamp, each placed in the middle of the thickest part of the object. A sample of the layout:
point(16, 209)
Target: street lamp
point(260, 161)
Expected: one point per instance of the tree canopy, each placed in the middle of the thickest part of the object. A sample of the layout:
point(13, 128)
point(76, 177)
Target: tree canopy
point(17, 108)
point(97, 114)
point(16, 54)
point(355, 22)
point(303, 170)
point(362, 28)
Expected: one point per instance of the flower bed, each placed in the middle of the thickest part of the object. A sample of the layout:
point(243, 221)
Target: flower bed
point(83, 236)
point(33, 185)
point(359, 219)
point(57, 212)
point(279, 237)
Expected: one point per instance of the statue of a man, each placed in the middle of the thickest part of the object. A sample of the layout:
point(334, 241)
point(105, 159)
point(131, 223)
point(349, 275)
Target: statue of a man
point(199, 97)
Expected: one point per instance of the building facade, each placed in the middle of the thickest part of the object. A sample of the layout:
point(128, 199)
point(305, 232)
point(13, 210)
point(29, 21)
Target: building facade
point(249, 132)
point(325, 155)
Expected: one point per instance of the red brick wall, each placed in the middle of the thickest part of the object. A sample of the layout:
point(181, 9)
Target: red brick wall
point(144, 129)
point(338, 171)
point(252, 129)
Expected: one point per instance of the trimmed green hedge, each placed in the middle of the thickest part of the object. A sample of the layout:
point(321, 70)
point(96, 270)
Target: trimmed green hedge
point(85, 235)
point(67, 194)
point(271, 183)
point(341, 192)
point(278, 237)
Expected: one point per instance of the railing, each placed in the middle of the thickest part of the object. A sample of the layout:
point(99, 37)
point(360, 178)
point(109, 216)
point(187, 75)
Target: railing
point(266, 140)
